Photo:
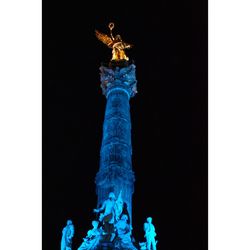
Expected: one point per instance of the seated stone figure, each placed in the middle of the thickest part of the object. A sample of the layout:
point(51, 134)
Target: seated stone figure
point(123, 234)
point(93, 237)
point(67, 235)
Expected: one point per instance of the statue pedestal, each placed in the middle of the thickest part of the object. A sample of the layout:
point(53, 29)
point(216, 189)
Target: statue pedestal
point(110, 246)
point(106, 246)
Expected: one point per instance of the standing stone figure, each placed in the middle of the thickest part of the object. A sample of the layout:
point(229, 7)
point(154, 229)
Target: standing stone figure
point(67, 235)
point(92, 239)
point(150, 234)
point(108, 216)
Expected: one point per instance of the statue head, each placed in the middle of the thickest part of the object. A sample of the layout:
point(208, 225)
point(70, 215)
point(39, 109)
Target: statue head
point(118, 38)
point(69, 222)
point(95, 223)
point(149, 219)
point(111, 196)
point(124, 217)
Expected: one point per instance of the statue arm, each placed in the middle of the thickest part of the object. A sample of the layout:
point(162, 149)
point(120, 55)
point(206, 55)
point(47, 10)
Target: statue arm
point(112, 37)
point(89, 233)
point(127, 45)
point(97, 210)
point(127, 229)
point(72, 231)
point(153, 228)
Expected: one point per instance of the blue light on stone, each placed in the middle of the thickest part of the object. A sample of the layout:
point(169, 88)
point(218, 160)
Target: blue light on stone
point(67, 235)
point(115, 173)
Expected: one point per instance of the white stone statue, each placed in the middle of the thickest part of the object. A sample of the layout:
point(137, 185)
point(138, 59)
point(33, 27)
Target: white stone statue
point(108, 216)
point(150, 234)
point(93, 237)
point(67, 235)
point(123, 234)
point(107, 208)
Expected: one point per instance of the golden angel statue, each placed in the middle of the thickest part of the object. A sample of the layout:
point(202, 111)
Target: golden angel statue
point(115, 43)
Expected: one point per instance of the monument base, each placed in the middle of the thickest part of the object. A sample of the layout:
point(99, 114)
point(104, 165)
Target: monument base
point(110, 246)
point(105, 246)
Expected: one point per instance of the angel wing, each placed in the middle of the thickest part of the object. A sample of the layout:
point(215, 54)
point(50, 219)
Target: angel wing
point(104, 38)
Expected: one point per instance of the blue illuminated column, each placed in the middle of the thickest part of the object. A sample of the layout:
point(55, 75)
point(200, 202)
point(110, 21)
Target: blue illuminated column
point(115, 173)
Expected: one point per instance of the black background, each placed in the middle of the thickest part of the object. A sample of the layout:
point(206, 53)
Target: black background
point(169, 116)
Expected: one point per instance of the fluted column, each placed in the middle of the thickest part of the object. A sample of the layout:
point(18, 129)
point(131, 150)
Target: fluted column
point(115, 173)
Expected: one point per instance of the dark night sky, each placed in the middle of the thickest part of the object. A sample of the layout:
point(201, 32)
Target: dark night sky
point(169, 116)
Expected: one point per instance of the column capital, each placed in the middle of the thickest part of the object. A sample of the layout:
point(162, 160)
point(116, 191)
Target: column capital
point(118, 78)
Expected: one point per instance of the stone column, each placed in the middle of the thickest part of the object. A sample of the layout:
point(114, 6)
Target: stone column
point(115, 173)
